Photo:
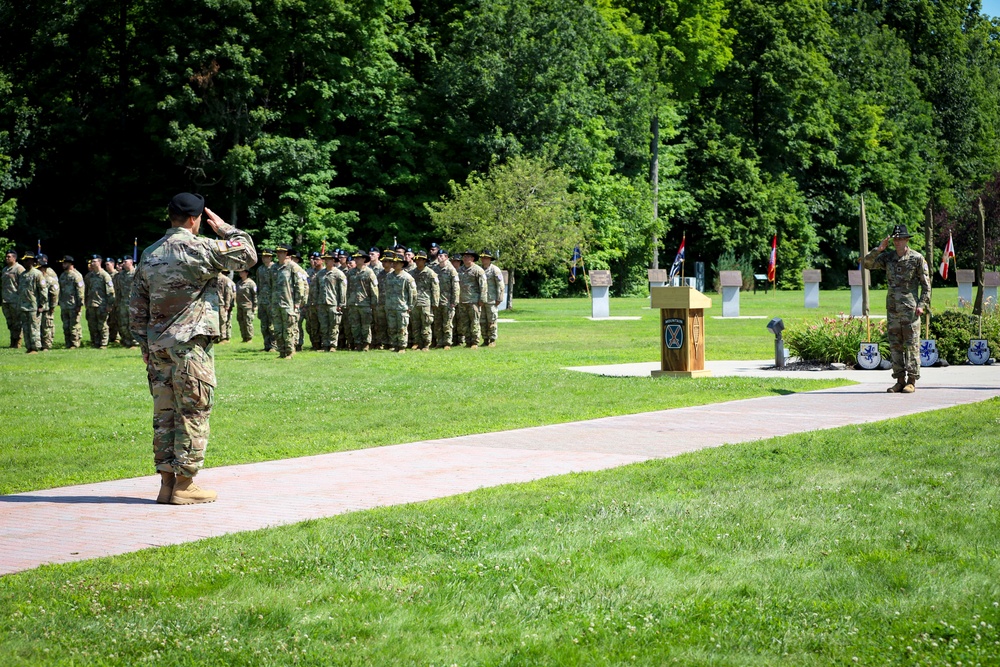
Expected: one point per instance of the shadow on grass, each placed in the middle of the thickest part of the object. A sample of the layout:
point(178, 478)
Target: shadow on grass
point(77, 500)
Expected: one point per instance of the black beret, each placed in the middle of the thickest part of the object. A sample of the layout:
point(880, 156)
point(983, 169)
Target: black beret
point(95, 256)
point(43, 259)
point(442, 251)
point(434, 245)
point(374, 249)
point(111, 259)
point(187, 204)
point(314, 254)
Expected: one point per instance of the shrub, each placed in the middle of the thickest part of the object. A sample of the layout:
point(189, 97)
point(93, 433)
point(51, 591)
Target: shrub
point(729, 262)
point(834, 340)
point(954, 328)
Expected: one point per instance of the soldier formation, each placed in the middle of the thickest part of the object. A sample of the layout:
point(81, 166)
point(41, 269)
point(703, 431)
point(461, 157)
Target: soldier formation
point(393, 300)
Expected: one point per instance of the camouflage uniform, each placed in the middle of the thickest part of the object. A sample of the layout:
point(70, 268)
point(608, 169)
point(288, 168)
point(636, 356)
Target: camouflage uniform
point(428, 298)
point(494, 295)
point(362, 297)
point(400, 294)
point(456, 335)
point(381, 333)
point(123, 288)
point(70, 305)
point(99, 294)
point(174, 315)
point(312, 309)
point(32, 301)
point(445, 311)
point(265, 276)
point(246, 304)
point(10, 299)
point(303, 277)
point(112, 318)
point(346, 341)
point(331, 296)
point(288, 295)
point(48, 323)
point(909, 288)
point(472, 291)
point(227, 298)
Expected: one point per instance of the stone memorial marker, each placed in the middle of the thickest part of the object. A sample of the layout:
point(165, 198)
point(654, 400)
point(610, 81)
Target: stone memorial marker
point(966, 279)
point(506, 285)
point(731, 282)
point(600, 288)
point(991, 281)
point(854, 280)
point(657, 278)
point(812, 278)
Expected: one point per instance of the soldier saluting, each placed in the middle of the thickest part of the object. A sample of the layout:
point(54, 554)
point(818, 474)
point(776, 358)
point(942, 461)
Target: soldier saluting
point(174, 315)
point(908, 296)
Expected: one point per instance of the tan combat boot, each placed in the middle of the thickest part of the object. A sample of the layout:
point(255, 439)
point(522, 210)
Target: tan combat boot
point(166, 488)
point(896, 388)
point(911, 385)
point(186, 492)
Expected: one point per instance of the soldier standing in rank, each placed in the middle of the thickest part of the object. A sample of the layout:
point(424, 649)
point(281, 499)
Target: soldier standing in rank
point(472, 298)
point(11, 272)
point(265, 276)
point(227, 298)
point(345, 341)
point(457, 338)
point(332, 295)
point(312, 323)
point(99, 294)
point(246, 304)
point(287, 299)
point(381, 333)
point(362, 297)
point(428, 298)
point(112, 270)
point(32, 301)
point(401, 293)
point(70, 302)
point(444, 314)
point(908, 297)
point(375, 264)
point(123, 287)
point(303, 277)
point(494, 297)
point(174, 315)
point(48, 324)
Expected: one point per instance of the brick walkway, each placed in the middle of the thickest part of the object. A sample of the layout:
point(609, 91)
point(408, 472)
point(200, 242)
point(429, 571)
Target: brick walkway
point(80, 522)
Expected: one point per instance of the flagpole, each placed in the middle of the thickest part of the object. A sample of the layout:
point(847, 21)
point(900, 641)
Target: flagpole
point(683, 240)
point(586, 279)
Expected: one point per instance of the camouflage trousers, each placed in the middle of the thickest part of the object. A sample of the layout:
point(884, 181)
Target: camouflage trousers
point(72, 331)
point(286, 325)
point(381, 333)
point(457, 338)
point(97, 322)
point(488, 323)
point(397, 325)
point(112, 319)
point(266, 327)
point(443, 317)
point(423, 324)
point(468, 323)
point(225, 323)
point(31, 329)
point(245, 318)
point(123, 330)
point(313, 328)
point(299, 330)
point(904, 346)
point(182, 382)
point(361, 325)
point(346, 340)
point(48, 329)
point(13, 317)
point(329, 326)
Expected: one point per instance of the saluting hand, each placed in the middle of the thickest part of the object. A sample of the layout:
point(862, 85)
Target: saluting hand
point(213, 220)
point(885, 244)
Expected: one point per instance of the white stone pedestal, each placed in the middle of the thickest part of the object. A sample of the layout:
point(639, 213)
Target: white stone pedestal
point(600, 302)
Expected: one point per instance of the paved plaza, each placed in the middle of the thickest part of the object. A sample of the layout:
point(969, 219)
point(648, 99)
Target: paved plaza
point(108, 518)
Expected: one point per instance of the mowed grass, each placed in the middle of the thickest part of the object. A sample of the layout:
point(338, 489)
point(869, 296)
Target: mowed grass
point(871, 545)
point(78, 416)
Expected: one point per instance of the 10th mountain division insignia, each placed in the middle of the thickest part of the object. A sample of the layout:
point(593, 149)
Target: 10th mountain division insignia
point(673, 334)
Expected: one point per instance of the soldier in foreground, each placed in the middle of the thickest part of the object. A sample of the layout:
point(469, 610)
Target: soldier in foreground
point(99, 294)
point(11, 272)
point(287, 298)
point(70, 302)
point(174, 314)
point(48, 324)
point(32, 300)
point(246, 304)
point(908, 296)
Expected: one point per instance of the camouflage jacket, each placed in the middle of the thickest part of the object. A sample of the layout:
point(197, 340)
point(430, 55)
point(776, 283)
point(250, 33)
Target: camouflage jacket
point(472, 282)
point(289, 289)
point(908, 280)
point(494, 285)
point(246, 294)
point(333, 288)
point(71, 290)
point(31, 293)
point(362, 288)
point(123, 286)
point(428, 288)
point(314, 278)
point(227, 292)
point(381, 288)
point(400, 291)
point(99, 290)
point(447, 283)
point(175, 289)
point(10, 276)
point(265, 276)
point(51, 288)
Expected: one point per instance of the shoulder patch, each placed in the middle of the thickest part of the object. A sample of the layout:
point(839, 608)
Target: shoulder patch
point(232, 245)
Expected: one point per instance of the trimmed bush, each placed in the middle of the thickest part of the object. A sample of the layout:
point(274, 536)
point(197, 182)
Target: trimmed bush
point(954, 328)
point(835, 340)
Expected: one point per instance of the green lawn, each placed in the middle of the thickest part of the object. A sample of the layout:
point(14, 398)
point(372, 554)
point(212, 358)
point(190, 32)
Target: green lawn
point(76, 416)
point(871, 545)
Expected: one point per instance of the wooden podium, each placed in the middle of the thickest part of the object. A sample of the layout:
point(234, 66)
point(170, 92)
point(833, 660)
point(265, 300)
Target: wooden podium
point(682, 330)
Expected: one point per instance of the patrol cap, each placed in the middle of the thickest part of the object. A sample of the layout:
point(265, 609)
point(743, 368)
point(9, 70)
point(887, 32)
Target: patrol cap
point(67, 258)
point(29, 255)
point(421, 255)
point(187, 204)
point(900, 232)
point(486, 253)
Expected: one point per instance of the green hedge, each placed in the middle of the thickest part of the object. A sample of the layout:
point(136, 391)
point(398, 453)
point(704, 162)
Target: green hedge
point(954, 328)
point(835, 340)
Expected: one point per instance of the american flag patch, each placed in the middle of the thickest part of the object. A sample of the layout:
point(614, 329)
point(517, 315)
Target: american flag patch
point(230, 245)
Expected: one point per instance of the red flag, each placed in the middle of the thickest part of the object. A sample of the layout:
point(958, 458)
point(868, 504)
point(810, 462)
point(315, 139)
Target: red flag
point(773, 264)
point(949, 253)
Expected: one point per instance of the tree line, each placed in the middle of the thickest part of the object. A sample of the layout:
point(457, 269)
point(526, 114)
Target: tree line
point(364, 122)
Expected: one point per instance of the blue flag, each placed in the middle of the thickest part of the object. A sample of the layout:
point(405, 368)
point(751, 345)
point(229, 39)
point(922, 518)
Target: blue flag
point(577, 256)
point(679, 260)
point(135, 251)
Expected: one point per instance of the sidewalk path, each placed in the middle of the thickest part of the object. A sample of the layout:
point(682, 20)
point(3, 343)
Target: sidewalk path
point(80, 522)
